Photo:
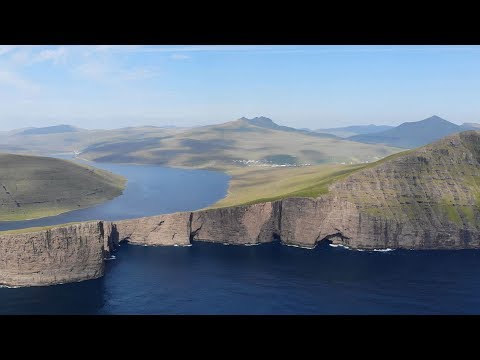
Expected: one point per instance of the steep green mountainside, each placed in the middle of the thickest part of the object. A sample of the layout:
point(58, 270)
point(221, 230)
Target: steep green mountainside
point(237, 143)
point(437, 183)
point(412, 134)
point(34, 186)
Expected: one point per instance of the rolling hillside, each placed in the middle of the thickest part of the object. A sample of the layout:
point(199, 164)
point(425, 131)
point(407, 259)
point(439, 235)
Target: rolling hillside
point(34, 187)
point(57, 129)
point(236, 143)
point(65, 138)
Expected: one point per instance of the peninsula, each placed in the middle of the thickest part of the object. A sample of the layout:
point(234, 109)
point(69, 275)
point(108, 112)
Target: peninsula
point(35, 186)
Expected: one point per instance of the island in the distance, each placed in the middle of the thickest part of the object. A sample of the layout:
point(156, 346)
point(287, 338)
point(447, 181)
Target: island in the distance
point(33, 186)
point(427, 198)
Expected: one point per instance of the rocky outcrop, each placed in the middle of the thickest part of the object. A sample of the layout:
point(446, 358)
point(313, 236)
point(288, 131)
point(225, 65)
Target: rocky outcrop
point(54, 256)
point(425, 199)
point(170, 229)
point(238, 225)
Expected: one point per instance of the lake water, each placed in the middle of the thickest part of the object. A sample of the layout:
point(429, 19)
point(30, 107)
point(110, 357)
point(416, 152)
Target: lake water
point(265, 279)
point(151, 190)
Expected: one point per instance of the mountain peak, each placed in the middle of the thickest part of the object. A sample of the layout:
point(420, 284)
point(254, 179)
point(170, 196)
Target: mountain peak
point(262, 121)
point(435, 118)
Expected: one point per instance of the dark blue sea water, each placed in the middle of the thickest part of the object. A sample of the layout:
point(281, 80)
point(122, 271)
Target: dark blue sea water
point(265, 279)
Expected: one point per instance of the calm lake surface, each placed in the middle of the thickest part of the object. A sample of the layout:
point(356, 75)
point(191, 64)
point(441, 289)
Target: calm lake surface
point(151, 190)
point(265, 279)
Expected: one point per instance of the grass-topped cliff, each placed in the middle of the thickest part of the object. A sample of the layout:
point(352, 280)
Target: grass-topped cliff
point(260, 184)
point(443, 177)
point(33, 186)
point(439, 181)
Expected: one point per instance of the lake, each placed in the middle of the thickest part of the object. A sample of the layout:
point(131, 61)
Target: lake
point(150, 190)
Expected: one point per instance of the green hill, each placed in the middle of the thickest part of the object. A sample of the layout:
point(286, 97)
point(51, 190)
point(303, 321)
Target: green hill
point(442, 178)
point(34, 186)
point(438, 183)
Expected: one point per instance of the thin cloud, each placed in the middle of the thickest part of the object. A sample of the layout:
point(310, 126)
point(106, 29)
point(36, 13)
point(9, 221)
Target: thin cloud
point(11, 79)
point(100, 71)
point(57, 55)
point(128, 48)
point(6, 49)
point(175, 49)
point(199, 48)
point(180, 57)
point(93, 70)
point(139, 73)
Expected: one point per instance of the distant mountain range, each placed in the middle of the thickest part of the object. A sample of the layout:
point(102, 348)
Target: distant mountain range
point(267, 123)
point(257, 139)
point(348, 131)
point(414, 134)
point(57, 129)
point(235, 143)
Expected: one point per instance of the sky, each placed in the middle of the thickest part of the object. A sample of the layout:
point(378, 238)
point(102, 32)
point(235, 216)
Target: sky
point(187, 85)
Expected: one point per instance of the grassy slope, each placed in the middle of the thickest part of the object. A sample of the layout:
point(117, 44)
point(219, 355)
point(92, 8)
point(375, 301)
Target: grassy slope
point(217, 146)
point(33, 187)
point(443, 177)
point(254, 185)
point(259, 184)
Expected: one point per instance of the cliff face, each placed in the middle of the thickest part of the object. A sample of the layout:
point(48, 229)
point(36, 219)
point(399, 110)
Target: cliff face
point(251, 224)
point(428, 198)
point(425, 199)
point(59, 255)
point(170, 229)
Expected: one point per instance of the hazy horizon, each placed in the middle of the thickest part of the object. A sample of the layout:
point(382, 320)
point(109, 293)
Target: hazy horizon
point(106, 87)
point(180, 126)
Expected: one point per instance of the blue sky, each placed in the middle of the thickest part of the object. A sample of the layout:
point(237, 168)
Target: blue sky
point(301, 86)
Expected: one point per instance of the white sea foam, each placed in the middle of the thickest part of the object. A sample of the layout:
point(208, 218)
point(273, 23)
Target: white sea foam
point(11, 287)
point(112, 257)
point(349, 248)
point(340, 245)
point(298, 246)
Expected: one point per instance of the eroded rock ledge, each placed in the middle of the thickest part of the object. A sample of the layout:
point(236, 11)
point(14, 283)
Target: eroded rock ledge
point(76, 252)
